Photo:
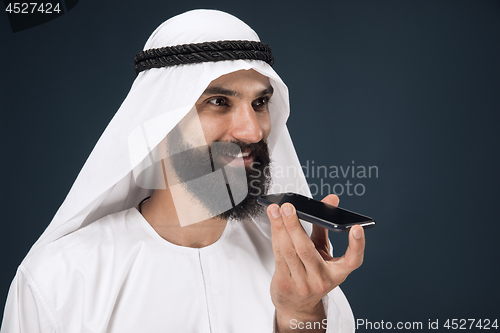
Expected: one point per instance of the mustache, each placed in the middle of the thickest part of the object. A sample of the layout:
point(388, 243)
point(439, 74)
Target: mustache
point(200, 161)
point(233, 147)
point(259, 151)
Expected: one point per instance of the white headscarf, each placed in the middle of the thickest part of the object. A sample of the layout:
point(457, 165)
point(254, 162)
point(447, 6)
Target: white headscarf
point(106, 182)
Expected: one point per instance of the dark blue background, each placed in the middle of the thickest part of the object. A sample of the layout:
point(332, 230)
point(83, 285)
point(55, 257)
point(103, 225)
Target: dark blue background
point(411, 87)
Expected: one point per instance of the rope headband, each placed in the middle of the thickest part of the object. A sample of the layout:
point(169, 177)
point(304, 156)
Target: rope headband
point(202, 52)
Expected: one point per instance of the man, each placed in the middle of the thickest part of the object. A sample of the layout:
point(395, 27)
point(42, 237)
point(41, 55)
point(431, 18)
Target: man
point(197, 254)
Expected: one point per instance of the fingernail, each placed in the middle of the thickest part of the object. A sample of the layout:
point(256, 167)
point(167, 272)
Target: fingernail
point(275, 212)
point(357, 233)
point(287, 209)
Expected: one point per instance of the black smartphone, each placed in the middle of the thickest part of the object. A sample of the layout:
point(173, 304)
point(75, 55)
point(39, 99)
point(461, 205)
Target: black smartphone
point(319, 213)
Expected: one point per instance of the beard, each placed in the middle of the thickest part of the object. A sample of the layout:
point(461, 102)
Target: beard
point(243, 184)
point(258, 179)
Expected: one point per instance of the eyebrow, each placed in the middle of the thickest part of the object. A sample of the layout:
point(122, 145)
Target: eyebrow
point(230, 93)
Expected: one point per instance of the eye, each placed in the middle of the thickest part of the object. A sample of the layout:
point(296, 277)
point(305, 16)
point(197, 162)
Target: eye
point(218, 101)
point(261, 103)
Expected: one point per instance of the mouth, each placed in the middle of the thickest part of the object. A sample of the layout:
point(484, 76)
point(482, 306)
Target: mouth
point(246, 156)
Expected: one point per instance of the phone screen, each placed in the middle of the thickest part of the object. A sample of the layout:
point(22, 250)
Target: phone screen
point(331, 217)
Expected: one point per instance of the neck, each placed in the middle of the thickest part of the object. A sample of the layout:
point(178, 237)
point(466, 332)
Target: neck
point(161, 214)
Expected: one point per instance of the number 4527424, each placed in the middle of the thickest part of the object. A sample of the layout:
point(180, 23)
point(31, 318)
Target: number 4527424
point(462, 324)
point(32, 8)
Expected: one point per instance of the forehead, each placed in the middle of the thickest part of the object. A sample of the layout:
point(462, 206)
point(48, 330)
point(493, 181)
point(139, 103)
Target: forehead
point(239, 82)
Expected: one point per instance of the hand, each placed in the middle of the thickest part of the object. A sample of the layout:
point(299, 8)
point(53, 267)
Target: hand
point(305, 271)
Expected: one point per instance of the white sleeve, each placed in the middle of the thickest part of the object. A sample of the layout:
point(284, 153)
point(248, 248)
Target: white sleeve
point(339, 317)
point(338, 312)
point(25, 311)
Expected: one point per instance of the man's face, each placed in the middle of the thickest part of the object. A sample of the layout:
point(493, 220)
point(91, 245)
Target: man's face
point(234, 107)
point(234, 117)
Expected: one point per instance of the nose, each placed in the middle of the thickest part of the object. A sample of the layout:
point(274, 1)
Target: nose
point(246, 126)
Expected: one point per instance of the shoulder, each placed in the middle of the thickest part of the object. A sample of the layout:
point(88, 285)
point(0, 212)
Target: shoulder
point(81, 269)
point(84, 251)
point(94, 234)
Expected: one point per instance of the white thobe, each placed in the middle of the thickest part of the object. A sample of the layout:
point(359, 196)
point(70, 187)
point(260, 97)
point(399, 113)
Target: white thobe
point(118, 275)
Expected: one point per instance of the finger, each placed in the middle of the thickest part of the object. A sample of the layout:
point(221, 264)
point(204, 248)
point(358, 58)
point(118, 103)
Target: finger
point(331, 199)
point(303, 245)
point(319, 234)
point(355, 251)
point(280, 263)
point(319, 237)
point(284, 252)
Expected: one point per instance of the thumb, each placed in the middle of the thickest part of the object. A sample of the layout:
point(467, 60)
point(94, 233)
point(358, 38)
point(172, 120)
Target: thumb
point(356, 249)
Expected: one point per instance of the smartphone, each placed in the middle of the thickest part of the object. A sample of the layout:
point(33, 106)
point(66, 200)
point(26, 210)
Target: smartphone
point(319, 213)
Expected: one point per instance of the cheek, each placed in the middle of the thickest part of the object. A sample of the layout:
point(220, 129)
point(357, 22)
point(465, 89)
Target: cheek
point(265, 124)
point(213, 127)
